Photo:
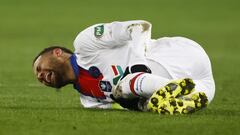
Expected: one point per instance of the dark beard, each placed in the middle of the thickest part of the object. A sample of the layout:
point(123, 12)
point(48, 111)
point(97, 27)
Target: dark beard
point(59, 81)
point(59, 70)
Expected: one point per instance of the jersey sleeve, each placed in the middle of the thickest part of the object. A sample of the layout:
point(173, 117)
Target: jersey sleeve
point(113, 34)
point(129, 30)
point(89, 102)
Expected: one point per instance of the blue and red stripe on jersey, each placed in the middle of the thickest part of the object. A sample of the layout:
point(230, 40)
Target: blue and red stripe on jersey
point(86, 83)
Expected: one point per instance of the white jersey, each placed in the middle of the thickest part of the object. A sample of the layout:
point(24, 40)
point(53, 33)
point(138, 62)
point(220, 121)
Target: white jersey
point(111, 47)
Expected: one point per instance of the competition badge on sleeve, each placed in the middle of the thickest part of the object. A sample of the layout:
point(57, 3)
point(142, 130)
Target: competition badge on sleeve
point(98, 31)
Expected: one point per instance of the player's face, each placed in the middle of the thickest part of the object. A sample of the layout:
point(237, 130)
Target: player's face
point(49, 70)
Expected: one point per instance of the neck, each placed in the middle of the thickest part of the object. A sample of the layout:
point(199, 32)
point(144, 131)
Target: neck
point(70, 75)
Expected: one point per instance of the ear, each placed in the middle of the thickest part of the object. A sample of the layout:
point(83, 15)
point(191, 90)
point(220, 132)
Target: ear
point(57, 52)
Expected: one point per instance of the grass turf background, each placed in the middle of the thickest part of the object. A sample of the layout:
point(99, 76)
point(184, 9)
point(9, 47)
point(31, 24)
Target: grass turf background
point(27, 26)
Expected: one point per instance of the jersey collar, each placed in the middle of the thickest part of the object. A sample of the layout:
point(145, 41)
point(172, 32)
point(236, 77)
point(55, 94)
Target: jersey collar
point(74, 64)
point(76, 69)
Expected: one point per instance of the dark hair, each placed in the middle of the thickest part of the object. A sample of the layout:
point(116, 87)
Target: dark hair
point(48, 49)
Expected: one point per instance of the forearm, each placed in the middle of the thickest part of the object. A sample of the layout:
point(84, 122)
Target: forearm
point(130, 30)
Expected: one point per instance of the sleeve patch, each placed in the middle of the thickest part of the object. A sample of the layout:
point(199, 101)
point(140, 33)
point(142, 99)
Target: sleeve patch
point(98, 31)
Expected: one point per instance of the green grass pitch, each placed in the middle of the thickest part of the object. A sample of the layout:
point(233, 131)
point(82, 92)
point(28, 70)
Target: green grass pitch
point(28, 108)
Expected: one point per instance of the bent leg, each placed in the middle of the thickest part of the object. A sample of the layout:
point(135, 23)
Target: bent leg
point(139, 85)
point(145, 84)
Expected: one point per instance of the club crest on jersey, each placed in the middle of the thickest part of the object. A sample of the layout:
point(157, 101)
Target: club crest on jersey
point(98, 31)
point(118, 73)
point(105, 86)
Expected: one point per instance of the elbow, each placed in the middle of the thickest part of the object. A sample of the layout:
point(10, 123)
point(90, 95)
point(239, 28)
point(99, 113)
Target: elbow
point(146, 26)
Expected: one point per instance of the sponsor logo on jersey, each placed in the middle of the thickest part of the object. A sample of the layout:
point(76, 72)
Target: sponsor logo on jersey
point(98, 31)
point(118, 73)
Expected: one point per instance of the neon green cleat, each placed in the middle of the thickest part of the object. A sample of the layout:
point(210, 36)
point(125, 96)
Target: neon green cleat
point(184, 87)
point(182, 105)
point(175, 98)
point(175, 89)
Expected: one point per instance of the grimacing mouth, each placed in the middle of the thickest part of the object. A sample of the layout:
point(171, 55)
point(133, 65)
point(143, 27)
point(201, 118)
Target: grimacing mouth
point(48, 79)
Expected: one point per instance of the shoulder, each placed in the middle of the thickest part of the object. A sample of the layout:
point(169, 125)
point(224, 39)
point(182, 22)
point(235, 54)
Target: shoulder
point(87, 39)
point(89, 32)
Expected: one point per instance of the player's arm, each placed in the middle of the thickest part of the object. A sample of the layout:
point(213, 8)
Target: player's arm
point(136, 34)
point(134, 31)
point(89, 102)
point(109, 35)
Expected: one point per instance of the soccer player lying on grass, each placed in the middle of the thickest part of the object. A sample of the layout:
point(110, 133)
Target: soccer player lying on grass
point(118, 62)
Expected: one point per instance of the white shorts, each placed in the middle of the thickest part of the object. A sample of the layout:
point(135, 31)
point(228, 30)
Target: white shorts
point(179, 57)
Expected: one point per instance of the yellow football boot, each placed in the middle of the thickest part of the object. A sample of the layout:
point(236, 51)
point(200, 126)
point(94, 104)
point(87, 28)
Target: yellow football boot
point(181, 105)
point(176, 88)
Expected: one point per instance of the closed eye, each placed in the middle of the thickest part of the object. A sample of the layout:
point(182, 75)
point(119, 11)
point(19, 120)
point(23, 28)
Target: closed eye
point(38, 69)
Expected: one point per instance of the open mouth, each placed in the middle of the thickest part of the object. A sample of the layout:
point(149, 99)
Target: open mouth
point(49, 77)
